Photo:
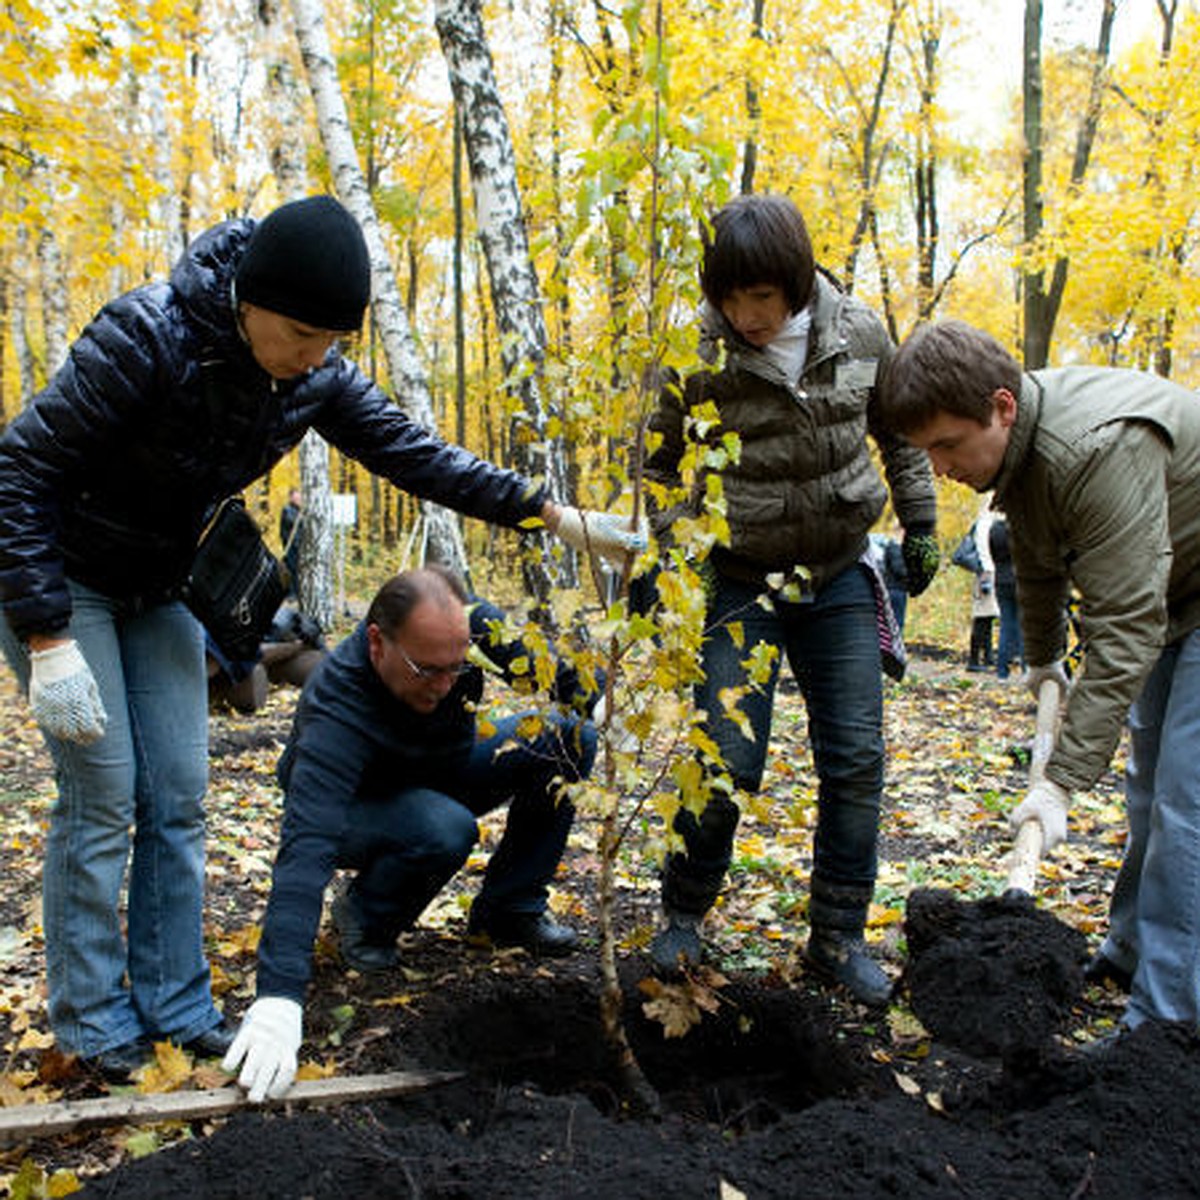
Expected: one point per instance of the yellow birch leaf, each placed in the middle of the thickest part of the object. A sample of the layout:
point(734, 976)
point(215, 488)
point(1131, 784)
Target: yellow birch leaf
point(35, 1039)
point(63, 1183)
point(312, 1070)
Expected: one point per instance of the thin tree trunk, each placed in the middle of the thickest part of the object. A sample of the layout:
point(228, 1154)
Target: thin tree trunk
point(167, 203)
point(314, 587)
point(1042, 305)
point(753, 109)
point(18, 304)
point(870, 161)
point(410, 387)
point(3, 340)
point(55, 305)
point(928, 231)
point(460, 300)
point(515, 294)
point(1085, 139)
point(1036, 335)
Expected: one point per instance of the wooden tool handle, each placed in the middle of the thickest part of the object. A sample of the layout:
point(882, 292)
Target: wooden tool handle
point(1027, 853)
point(25, 1121)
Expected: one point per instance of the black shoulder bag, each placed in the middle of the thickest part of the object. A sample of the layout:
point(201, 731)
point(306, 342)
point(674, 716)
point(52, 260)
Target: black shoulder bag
point(235, 585)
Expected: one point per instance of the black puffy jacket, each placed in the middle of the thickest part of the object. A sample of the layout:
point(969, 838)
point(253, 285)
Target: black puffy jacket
point(160, 412)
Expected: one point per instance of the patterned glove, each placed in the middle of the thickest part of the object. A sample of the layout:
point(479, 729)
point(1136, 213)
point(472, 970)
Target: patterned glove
point(1048, 803)
point(606, 534)
point(269, 1041)
point(921, 556)
point(63, 694)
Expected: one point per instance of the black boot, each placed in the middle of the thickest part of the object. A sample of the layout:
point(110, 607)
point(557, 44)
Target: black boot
point(358, 948)
point(539, 932)
point(836, 950)
point(678, 946)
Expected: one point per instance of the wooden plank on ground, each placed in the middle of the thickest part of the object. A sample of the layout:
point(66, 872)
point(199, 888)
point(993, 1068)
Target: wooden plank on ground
point(24, 1121)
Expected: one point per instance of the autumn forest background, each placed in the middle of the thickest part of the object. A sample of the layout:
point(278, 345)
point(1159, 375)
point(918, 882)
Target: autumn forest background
point(534, 245)
point(531, 176)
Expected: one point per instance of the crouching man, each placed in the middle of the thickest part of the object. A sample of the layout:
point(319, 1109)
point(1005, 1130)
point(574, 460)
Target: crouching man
point(385, 774)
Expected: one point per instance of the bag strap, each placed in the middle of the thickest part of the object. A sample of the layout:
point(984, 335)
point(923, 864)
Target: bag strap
point(292, 536)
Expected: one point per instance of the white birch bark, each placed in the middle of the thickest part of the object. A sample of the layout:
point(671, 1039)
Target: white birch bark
point(54, 301)
point(18, 316)
point(314, 588)
point(167, 219)
point(516, 297)
point(409, 384)
point(315, 585)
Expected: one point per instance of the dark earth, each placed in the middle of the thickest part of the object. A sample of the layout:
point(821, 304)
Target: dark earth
point(769, 1097)
point(776, 1094)
point(785, 1089)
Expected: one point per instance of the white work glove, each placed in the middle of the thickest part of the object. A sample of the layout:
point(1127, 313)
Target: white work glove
point(606, 534)
point(1055, 672)
point(1046, 803)
point(269, 1041)
point(618, 731)
point(63, 694)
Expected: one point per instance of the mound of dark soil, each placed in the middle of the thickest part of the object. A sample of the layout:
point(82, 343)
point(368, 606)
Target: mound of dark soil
point(993, 977)
point(767, 1096)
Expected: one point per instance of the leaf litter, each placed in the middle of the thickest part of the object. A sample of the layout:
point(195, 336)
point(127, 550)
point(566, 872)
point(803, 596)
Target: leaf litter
point(780, 1088)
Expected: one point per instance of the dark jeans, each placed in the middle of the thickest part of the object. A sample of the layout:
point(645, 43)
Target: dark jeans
point(407, 846)
point(981, 642)
point(1012, 644)
point(832, 646)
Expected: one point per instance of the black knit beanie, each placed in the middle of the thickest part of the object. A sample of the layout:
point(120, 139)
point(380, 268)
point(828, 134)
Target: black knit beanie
point(308, 260)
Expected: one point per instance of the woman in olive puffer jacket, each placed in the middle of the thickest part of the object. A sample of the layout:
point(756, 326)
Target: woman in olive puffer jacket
point(797, 386)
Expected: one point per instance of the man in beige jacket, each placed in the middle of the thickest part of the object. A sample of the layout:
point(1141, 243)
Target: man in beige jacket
point(1098, 471)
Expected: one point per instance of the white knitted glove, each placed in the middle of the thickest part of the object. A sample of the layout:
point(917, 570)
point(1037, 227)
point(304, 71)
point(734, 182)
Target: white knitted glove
point(1055, 672)
point(606, 534)
point(618, 731)
point(1047, 803)
point(63, 694)
point(269, 1041)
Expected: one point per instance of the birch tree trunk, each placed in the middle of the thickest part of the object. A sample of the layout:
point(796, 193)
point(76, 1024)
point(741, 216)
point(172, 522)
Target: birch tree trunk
point(314, 587)
point(168, 203)
point(54, 301)
point(443, 538)
point(18, 304)
point(516, 297)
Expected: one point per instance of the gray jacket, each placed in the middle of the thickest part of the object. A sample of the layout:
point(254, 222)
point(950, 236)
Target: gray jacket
point(1101, 485)
point(804, 491)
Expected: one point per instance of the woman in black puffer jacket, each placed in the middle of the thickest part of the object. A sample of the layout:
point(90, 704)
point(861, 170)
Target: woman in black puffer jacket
point(176, 396)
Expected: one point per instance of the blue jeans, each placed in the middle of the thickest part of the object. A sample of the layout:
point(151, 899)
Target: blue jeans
point(148, 772)
point(832, 646)
point(1012, 644)
point(1154, 928)
point(407, 846)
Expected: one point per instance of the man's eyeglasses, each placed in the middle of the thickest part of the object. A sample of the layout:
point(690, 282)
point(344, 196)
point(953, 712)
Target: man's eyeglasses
point(425, 671)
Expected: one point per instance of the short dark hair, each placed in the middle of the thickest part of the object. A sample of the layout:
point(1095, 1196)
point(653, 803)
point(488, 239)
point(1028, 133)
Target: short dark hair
point(396, 599)
point(756, 240)
point(949, 367)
